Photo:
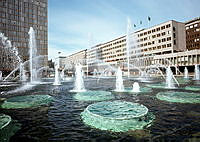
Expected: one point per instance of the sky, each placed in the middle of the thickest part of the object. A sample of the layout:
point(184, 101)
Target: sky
point(75, 25)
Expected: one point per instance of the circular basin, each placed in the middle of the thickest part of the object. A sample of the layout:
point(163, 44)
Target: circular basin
point(117, 116)
point(4, 120)
point(179, 97)
point(192, 88)
point(26, 101)
point(94, 96)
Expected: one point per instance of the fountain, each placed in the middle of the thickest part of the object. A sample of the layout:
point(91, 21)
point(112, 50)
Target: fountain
point(79, 83)
point(95, 73)
point(62, 74)
point(10, 50)
point(4, 120)
point(117, 116)
point(136, 87)
point(22, 73)
point(169, 78)
point(8, 127)
point(129, 28)
point(186, 73)
point(1, 78)
point(119, 81)
point(57, 74)
point(197, 74)
point(32, 54)
point(169, 82)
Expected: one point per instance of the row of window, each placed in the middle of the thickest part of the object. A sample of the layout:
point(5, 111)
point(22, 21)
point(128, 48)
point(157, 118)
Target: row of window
point(154, 36)
point(193, 36)
point(159, 41)
point(191, 26)
point(117, 42)
point(156, 47)
point(192, 41)
point(197, 45)
point(155, 30)
point(115, 47)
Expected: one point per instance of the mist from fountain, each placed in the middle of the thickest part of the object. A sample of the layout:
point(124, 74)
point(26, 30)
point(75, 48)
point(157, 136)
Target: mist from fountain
point(22, 73)
point(119, 81)
point(1, 78)
point(128, 32)
point(136, 87)
point(57, 74)
point(186, 73)
point(95, 73)
point(32, 54)
point(197, 73)
point(62, 74)
point(11, 50)
point(79, 83)
point(169, 78)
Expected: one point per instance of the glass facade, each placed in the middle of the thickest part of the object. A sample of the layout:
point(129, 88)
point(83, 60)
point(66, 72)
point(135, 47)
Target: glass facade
point(16, 18)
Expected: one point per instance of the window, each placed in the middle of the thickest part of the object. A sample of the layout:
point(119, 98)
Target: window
point(158, 35)
point(191, 26)
point(174, 29)
point(153, 36)
point(169, 45)
point(168, 26)
point(169, 32)
point(158, 29)
point(174, 42)
point(169, 38)
point(163, 40)
point(174, 35)
point(163, 33)
point(163, 27)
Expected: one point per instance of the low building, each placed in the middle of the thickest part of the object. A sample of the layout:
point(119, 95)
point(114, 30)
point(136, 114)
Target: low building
point(70, 61)
point(166, 44)
point(168, 37)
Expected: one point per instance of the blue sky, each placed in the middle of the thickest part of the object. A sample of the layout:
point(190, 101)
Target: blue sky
point(74, 25)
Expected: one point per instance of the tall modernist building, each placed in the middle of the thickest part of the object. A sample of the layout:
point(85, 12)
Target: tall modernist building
point(16, 18)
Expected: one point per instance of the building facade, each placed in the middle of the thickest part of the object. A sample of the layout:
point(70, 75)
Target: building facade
point(171, 43)
point(166, 38)
point(70, 61)
point(16, 18)
point(193, 34)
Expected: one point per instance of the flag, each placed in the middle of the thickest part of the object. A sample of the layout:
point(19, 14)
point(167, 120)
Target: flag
point(140, 22)
point(149, 18)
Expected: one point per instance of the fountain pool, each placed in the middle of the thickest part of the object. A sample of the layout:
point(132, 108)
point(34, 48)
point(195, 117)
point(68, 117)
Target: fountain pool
point(94, 96)
point(61, 120)
point(117, 116)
